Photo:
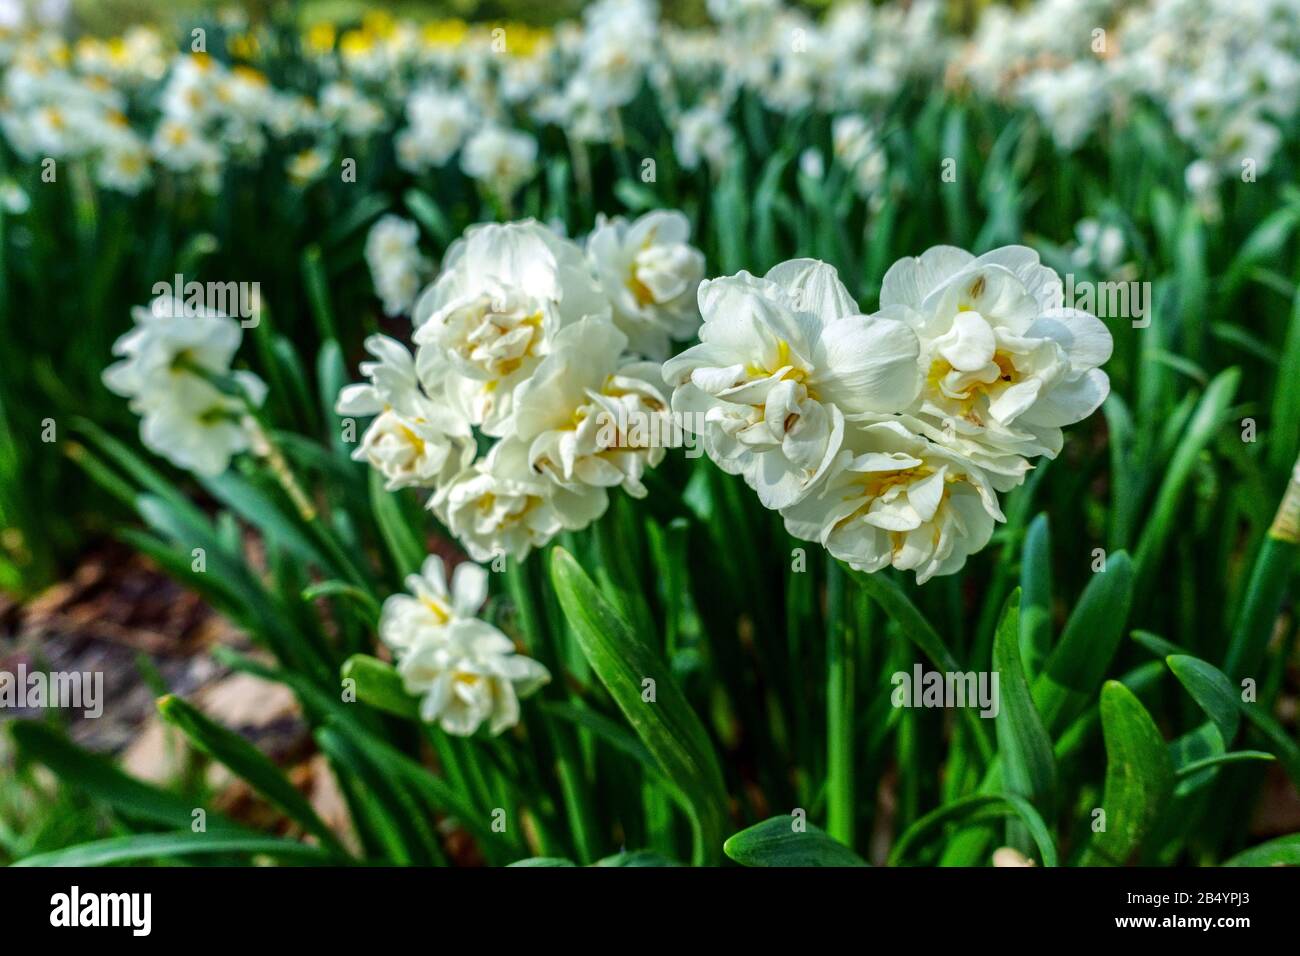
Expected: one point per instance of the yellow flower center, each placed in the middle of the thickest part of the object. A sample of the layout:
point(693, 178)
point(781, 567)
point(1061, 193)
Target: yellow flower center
point(437, 610)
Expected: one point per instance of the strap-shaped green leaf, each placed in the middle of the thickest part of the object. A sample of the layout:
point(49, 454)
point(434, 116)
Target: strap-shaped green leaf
point(1087, 646)
point(148, 846)
point(1211, 689)
point(921, 633)
point(1284, 851)
point(1139, 777)
point(1028, 767)
point(779, 842)
point(102, 780)
point(979, 808)
point(666, 724)
point(247, 762)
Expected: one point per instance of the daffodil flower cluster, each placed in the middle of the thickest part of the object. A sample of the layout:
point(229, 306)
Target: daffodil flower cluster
point(887, 437)
point(546, 354)
point(464, 670)
point(169, 363)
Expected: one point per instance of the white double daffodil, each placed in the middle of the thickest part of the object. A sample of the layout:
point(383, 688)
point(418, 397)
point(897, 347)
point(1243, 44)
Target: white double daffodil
point(502, 506)
point(781, 361)
point(651, 273)
point(504, 292)
point(415, 440)
point(895, 498)
point(589, 421)
point(166, 361)
point(1002, 363)
point(470, 676)
point(464, 670)
point(432, 603)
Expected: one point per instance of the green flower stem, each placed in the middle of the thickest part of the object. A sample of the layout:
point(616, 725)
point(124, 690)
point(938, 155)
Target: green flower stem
point(839, 708)
point(270, 453)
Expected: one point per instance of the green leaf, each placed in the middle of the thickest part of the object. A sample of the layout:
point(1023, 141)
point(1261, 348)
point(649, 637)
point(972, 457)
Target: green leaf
point(102, 780)
point(316, 279)
point(395, 765)
point(1211, 689)
point(380, 686)
point(1232, 756)
point(428, 214)
point(148, 846)
point(543, 861)
point(257, 508)
point(1028, 767)
point(1087, 646)
point(1266, 241)
point(1211, 412)
point(1284, 444)
point(1284, 851)
point(667, 725)
point(247, 762)
point(396, 818)
point(974, 809)
point(355, 218)
point(403, 545)
point(1265, 592)
point(775, 842)
point(1139, 777)
point(1286, 749)
point(919, 631)
point(1156, 644)
point(1036, 596)
point(350, 591)
point(637, 858)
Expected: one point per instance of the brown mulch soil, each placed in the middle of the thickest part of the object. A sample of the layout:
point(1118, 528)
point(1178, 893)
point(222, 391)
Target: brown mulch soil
point(119, 614)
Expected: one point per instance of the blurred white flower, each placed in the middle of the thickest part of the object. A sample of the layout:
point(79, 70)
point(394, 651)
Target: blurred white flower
point(619, 36)
point(424, 614)
point(1099, 246)
point(650, 273)
point(1070, 101)
point(123, 164)
point(502, 159)
point(812, 163)
point(858, 150)
point(703, 133)
point(438, 121)
point(354, 113)
point(166, 360)
point(13, 199)
point(468, 676)
point(397, 268)
point(305, 167)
